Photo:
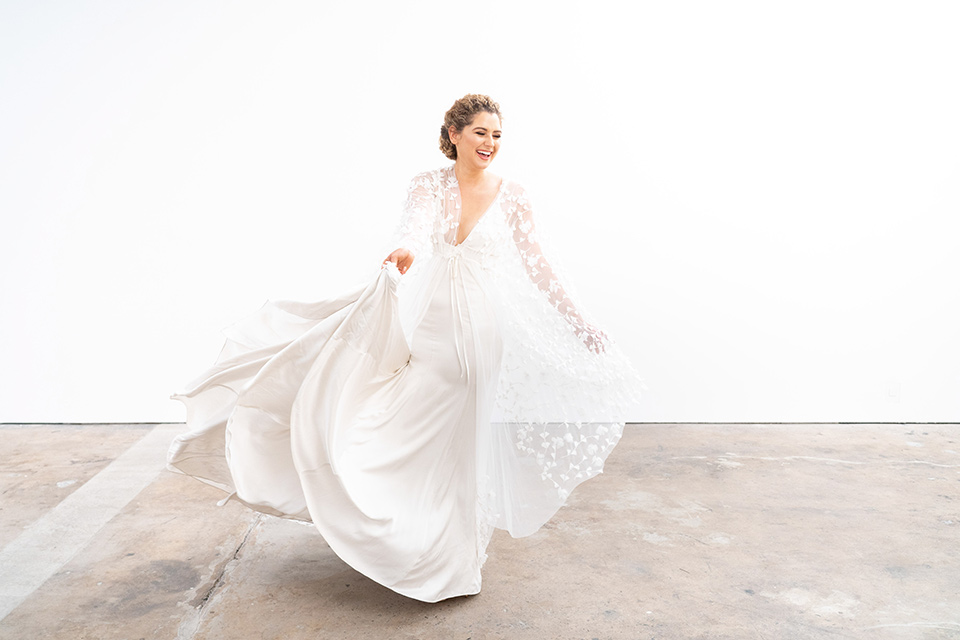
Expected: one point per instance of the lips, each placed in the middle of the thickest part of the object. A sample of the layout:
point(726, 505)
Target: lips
point(484, 154)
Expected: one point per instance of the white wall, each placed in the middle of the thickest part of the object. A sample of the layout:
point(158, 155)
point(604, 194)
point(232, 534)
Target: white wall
point(758, 199)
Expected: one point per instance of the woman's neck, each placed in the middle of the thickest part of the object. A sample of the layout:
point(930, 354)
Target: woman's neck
point(469, 175)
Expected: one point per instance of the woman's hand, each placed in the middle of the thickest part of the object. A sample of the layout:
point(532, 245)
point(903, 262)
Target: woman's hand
point(403, 258)
point(593, 338)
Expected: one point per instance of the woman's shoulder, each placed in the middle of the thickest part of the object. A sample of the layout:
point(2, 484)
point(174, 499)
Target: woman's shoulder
point(434, 177)
point(512, 186)
point(513, 191)
point(445, 178)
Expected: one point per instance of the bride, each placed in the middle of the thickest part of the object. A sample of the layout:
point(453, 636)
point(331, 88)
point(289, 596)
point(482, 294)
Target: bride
point(410, 418)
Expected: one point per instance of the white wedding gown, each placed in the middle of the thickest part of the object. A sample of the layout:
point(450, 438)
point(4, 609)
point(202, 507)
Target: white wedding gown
point(408, 419)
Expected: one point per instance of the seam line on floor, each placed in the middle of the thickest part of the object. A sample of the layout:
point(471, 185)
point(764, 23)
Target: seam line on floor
point(51, 541)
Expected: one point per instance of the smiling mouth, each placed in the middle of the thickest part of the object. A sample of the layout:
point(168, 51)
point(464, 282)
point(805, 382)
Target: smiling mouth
point(484, 154)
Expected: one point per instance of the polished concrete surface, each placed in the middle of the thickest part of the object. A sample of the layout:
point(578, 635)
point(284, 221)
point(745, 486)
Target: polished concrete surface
point(693, 531)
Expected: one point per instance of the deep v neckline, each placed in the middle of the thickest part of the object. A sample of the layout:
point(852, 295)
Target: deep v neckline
point(483, 215)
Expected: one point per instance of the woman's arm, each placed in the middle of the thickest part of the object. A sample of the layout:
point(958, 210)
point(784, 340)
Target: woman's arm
point(544, 276)
point(413, 233)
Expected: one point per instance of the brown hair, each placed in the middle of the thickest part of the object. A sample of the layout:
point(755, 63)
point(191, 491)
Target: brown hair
point(460, 115)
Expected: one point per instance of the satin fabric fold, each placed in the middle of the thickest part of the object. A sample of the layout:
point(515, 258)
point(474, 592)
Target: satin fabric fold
point(344, 427)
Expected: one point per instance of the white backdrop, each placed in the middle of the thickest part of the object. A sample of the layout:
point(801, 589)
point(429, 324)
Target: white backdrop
point(757, 199)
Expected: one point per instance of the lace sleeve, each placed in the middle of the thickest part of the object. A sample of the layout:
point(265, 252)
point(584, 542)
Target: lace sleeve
point(543, 275)
point(416, 223)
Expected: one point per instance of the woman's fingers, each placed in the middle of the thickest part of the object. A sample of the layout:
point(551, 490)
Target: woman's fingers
point(402, 258)
point(595, 339)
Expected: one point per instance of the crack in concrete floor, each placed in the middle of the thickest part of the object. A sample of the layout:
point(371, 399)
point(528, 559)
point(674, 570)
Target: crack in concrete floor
point(192, 622)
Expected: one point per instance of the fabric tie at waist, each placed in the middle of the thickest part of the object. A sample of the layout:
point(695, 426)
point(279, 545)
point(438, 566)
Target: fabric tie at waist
point(459, 304)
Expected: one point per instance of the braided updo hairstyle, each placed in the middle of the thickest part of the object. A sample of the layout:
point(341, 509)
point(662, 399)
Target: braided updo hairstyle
point(460, 115)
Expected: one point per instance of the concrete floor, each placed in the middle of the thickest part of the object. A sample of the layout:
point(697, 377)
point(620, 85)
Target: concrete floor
point(693, 531)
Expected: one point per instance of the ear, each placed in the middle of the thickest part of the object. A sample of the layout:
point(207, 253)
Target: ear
point(454, 135)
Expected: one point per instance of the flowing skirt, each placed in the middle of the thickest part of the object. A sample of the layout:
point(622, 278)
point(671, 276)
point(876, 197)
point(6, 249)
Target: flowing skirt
point(323, 412)
point(407, 427)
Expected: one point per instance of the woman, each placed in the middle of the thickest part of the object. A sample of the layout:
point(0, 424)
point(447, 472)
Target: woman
point(410, 419)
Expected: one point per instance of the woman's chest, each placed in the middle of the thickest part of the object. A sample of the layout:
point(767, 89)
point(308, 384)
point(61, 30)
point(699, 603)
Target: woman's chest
point(485, 232)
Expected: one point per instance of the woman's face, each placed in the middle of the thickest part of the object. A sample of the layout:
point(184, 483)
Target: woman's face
point(479, 141)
